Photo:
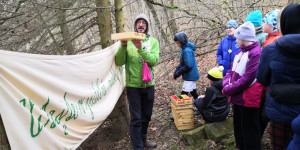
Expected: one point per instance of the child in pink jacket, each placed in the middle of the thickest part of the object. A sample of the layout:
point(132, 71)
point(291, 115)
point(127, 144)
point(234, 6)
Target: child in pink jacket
point(243, 91)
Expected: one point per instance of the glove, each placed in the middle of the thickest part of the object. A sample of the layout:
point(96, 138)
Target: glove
point(176, 74)
point(221, 68)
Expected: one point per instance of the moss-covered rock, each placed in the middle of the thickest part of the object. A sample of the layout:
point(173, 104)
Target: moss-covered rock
point(193, 137)
point(219, 133)
point(228, 142)
point(201, 144)
point(218, 130)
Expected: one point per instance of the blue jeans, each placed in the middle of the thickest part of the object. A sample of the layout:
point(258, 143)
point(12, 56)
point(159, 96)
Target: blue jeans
point(140, 107)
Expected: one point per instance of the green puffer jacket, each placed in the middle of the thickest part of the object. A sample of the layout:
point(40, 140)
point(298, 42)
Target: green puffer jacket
point(130, 56)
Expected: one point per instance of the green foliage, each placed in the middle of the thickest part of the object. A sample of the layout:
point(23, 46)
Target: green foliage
point(174, 6)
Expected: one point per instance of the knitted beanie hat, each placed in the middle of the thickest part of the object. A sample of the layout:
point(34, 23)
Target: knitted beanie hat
point(255, 17)
point(289, 21)
point(271, 18)
point(215, 74)
point(245, 32)
point(232, 23)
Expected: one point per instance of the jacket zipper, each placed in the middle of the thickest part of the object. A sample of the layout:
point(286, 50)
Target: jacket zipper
point(230, 54)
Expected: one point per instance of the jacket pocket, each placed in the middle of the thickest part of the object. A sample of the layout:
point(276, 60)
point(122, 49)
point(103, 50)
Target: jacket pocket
point(252, 95)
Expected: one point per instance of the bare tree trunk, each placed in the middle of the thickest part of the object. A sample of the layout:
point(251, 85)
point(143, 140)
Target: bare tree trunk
point(120, 119)
point(172, 23)
point(65, 32)
point(104, 22)
point(156, 20)
point(119, 16)
point(120, 115)
point(4, 144)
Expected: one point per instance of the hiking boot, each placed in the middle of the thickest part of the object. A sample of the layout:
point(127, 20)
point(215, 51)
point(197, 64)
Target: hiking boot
point(148, 144)
point(172, 118)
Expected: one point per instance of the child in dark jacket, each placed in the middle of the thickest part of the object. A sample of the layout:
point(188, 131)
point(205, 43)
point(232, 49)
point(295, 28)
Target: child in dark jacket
point(279, 70)
point(214, 105)
point(243, 91)
point(187, 66)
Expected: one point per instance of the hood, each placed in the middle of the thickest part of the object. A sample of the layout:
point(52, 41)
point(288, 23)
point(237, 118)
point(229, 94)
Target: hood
point(218, 84)
point(190, 45)
point(142, 16)
point(289, 44)
point(289, 21)
point(230, 37)
point(182, 38)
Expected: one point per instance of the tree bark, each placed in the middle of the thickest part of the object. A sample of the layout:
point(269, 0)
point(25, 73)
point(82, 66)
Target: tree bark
point(4, 144)
point(172, 22)
point(119, 16)
point(104, 22)
point(65, 32)
point(120, 119)
point(120, 115)
point(156, 20)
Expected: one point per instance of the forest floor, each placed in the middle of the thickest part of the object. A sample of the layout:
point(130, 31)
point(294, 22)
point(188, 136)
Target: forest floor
point(161, 129)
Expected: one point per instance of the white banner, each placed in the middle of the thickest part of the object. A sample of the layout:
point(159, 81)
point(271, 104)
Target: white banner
point(55, 102)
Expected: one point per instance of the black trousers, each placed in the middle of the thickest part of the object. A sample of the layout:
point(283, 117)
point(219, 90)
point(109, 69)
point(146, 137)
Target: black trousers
point(193, 93)
point(246, 123)
point(140, 108)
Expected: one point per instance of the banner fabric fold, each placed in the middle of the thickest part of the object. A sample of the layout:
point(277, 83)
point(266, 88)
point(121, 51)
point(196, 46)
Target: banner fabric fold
point(54, 101)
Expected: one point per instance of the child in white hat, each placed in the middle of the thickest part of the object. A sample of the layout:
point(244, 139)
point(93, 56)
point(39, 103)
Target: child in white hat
point(243, 91)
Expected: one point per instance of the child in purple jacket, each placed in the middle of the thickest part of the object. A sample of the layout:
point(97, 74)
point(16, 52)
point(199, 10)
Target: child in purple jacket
point(243, 91)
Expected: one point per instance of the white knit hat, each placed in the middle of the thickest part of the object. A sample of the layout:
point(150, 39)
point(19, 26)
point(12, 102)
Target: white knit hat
point(245, 32)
